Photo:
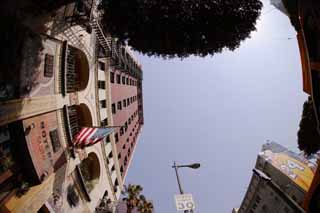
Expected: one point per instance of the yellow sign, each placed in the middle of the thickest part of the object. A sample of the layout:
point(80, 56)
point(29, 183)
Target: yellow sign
point(295, 169)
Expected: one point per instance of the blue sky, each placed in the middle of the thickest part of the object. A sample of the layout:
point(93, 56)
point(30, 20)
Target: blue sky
point(218, 111)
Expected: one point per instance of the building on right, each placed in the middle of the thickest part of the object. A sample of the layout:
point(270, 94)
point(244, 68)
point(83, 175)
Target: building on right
point(279, 182)
point(305, 17)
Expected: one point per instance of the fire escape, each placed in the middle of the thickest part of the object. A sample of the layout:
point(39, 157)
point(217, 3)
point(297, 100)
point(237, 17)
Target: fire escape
point(110, 48)
point(79, 13)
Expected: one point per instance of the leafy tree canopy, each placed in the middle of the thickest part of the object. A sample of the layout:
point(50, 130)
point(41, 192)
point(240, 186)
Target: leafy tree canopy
point(179, 28)
point(308, 135)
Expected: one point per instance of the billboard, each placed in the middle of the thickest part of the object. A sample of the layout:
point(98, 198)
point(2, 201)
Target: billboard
point(294, 166)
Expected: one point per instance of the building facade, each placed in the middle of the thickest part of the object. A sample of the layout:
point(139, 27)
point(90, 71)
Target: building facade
point(279, 182)
point(304, 16)
point(72, 75)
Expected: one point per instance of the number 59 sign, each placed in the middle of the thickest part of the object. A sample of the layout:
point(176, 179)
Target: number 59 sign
point(184, 202)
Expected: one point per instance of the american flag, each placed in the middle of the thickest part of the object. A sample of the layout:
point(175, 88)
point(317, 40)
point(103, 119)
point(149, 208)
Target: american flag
point(91, 135)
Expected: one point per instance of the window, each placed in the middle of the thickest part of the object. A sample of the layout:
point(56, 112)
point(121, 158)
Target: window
point(129, 121)
point(258, 199)
point(118, 78)
point(113, 108)
point(101, 84)
point(110, 155)
point(104, 122)
point(124, 146)
point(119, 105)
point(254, 206)
point(127, 140)
point(121, 131)
point(123, 80)
point(127, 79)
point(101, 66)
point(48, 66)
point(125, 126)
point(119, 156)
point(112, 168)
point(116, 137)
point(108, 139)
point(54, 137)
point(112, 77)
point(128, 103)
point(124, 103)
point(103, 104)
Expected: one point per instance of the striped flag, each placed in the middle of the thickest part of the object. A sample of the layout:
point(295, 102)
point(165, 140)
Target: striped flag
point(91, 135)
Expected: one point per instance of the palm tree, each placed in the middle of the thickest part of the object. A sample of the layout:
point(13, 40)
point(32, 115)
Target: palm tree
point(145, 206)
point(134, 199)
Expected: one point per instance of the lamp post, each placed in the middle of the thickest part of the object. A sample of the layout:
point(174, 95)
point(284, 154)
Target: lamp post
point(175, 166)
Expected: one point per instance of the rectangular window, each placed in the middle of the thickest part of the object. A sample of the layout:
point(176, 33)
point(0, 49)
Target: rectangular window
point(118, 78)
point(101, 84)
point(112, 77)
point(126, 126)
point(54, 137)
point(128, 103)
point(121, 131)
point(104, 122)
point(116, 137)
point(127, 79)
point(119, 105)
point(124, 103)
point(103, 103)
point(113, 108)
point(101, 66)
point(123, 80)
point(48, 66)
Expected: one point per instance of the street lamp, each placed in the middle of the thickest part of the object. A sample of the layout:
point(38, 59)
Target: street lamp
point(175, 166)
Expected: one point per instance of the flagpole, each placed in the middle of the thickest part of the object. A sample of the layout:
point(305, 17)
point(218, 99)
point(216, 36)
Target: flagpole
point(107, 126)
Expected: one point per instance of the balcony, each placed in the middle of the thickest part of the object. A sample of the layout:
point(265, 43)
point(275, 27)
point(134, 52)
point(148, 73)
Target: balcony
point(76, 117)
point(75, 70)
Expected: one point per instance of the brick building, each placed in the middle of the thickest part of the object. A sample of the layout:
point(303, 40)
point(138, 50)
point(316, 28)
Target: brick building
point(72, 75)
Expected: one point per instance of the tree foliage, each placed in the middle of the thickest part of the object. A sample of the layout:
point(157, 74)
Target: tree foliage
point(181, 28)
point(134, 199)
point(308, 135)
